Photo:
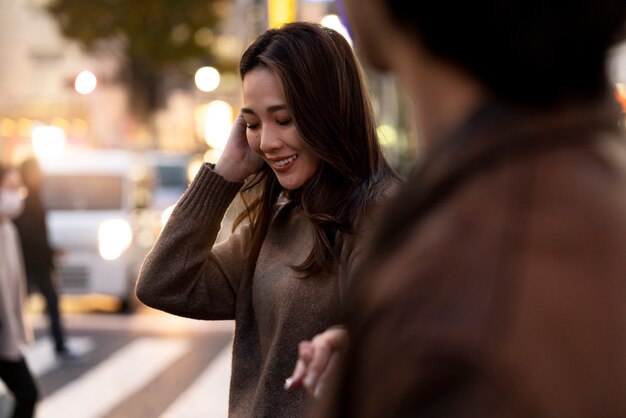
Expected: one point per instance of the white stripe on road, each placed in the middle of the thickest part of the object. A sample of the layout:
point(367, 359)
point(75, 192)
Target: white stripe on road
point(103, 387)
point(208, 394)
point(41, 356)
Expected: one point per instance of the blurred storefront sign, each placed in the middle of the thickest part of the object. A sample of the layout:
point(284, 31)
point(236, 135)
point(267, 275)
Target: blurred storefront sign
point(281, 12)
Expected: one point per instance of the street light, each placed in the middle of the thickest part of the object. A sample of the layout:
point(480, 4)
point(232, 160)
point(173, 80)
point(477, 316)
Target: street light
point(207, 79)
point(85, 82)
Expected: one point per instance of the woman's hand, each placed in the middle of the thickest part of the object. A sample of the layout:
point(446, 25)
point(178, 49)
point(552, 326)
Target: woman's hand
point(317, 359)
point(238, 161)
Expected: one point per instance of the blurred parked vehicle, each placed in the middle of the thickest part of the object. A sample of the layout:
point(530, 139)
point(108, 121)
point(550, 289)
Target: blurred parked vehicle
point(98, 220)
point(171, 176)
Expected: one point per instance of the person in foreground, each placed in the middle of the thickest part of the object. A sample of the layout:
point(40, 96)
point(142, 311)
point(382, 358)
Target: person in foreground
point(305, 156)
point(14, 332)
point(496, 284)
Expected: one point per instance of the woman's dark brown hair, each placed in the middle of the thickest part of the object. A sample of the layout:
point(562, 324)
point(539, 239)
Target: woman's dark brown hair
point(329, 104)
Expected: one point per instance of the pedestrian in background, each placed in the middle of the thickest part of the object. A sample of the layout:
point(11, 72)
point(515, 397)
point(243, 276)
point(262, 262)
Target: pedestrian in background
point(39, 255)
point(496, 284)
point(305, 156)
point(14, 333)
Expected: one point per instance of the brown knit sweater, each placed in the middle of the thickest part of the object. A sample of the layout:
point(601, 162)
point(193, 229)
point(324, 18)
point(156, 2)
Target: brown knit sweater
point(186, 274)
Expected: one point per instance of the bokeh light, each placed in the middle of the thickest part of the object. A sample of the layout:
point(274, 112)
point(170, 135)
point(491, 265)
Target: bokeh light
point(85, 82)
point(387, 135)
point(218, 121)
point(48, 141)
point(207, 79)
point(333, 22)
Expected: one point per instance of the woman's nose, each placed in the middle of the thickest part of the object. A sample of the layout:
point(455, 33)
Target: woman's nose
point(269, 140)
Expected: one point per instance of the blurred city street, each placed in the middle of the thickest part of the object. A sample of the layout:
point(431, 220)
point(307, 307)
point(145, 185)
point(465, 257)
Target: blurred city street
point(146, 364)
point(120, 103)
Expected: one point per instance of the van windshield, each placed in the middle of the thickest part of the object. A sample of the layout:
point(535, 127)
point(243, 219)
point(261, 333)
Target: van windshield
point(83, 192)
point(172, 176)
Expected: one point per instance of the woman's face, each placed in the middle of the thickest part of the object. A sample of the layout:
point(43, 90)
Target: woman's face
point(271, 131)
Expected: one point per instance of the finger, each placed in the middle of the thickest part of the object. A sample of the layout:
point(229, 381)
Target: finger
point(317, 365)
point(240, 122)
point(337, 338)
point(327, 375)
point(295, 380)
point(305, 352)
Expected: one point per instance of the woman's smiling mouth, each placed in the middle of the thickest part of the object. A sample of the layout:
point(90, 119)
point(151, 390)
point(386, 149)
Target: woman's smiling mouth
point(285, 163)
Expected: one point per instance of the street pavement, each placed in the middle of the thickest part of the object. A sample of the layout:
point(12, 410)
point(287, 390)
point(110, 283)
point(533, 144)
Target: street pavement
point(145, 365)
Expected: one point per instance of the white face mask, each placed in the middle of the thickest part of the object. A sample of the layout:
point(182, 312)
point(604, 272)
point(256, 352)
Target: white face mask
point(11, 203)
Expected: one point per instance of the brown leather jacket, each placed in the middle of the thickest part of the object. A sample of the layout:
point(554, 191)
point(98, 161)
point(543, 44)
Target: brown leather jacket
point(497, 287)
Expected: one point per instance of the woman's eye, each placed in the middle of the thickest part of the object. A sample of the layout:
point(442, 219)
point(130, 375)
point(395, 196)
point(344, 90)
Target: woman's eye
point(252, 125)
point(284, 122)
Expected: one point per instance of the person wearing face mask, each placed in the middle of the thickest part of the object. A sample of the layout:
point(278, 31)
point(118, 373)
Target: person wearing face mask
point(305, 156)
point(12, 196)
point(39, 255)
point(14, 332)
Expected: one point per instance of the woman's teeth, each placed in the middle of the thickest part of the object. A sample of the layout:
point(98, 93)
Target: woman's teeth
point(286, 161)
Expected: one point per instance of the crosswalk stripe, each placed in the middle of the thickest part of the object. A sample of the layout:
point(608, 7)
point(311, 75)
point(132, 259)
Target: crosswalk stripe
point(123, 374)
point(41, 357)
point(208, 394)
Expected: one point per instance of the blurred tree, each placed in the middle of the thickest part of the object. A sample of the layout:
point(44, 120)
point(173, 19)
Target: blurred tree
point(155, 39)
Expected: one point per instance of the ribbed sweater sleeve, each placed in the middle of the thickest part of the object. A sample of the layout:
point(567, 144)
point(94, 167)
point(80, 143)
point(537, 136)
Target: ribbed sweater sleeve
point(182, 274)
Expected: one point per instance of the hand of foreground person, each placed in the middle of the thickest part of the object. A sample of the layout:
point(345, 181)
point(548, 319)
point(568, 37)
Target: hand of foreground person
point(238, 161)
point(317, 359)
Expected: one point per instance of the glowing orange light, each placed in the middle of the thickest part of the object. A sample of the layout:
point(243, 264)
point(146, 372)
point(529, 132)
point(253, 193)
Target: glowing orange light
point(621, 98)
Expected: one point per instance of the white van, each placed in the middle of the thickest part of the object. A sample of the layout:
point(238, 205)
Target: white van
point(97, 221)
point(171, 171)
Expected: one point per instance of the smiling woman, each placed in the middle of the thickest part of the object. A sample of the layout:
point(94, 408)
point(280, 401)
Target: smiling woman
point(271, 132)
point(305, 157)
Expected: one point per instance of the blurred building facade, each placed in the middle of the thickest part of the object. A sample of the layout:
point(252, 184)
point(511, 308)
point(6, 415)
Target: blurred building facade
point(39, 68)
point(37, 82)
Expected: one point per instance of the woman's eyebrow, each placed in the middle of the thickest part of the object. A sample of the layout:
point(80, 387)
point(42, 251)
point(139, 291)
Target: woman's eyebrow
point(270, 109)
point(276, 108)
